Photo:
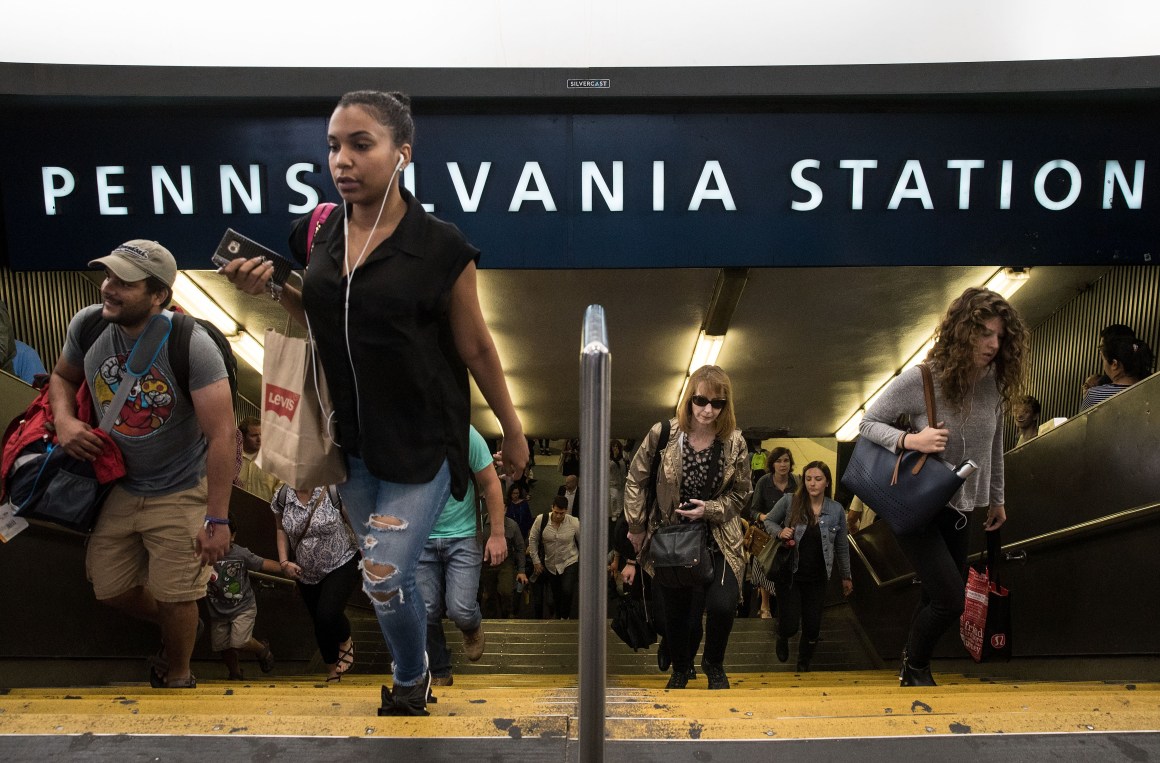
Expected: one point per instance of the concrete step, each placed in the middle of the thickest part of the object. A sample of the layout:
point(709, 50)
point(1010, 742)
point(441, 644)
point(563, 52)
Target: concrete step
point(759, 706)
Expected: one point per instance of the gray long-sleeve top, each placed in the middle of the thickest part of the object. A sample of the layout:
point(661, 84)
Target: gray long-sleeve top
point(976, 432)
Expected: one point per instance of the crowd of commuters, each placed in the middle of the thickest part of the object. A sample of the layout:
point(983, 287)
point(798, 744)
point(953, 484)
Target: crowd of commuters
point(430, 520)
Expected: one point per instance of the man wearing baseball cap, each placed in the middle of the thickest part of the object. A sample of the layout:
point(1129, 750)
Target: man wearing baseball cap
point(162, 526)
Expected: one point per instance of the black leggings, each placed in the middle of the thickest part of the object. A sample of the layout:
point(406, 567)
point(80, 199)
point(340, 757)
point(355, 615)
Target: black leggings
point(326, 602)
point(682, 612)
point(800, 604)
point(938, 553)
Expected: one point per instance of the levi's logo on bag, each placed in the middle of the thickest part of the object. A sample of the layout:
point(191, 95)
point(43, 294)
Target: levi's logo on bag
point(282, 401)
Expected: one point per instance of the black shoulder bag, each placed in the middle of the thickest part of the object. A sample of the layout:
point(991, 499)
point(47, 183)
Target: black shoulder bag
point(680, 552)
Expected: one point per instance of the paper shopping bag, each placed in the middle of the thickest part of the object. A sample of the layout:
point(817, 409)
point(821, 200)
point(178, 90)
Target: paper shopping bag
point(296, 445)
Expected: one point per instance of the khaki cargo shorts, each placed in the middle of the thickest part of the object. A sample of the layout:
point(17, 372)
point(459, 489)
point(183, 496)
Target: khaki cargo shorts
point(149, 542)
point(234, 633)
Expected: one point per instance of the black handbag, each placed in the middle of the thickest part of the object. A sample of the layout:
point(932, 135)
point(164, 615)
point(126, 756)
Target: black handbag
point(631, 622)
point(777, 560)
point(680, 555)
point(907, 489)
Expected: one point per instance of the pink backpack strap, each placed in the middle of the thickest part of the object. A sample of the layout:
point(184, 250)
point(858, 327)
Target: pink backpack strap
point(317, 218)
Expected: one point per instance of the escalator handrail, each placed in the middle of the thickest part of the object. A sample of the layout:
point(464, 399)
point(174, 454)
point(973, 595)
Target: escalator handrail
point(1043, 540)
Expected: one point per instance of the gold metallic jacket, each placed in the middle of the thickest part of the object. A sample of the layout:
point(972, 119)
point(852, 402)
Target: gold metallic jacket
point(722, 512)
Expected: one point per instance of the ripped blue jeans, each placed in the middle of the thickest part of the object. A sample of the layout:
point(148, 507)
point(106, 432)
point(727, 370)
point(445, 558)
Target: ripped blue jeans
point(392, 521)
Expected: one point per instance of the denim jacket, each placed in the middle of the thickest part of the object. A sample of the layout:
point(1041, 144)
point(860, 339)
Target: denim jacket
point(832, 524)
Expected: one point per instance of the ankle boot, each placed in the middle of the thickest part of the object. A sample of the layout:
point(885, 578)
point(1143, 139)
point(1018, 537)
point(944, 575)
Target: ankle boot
point(805, 654)
point(782, 649)
point(913, 675)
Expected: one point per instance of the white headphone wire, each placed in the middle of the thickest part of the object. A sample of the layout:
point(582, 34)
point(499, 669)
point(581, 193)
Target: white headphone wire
point(350, 280)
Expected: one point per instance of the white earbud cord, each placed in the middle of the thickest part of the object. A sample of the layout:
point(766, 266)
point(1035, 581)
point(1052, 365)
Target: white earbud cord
point(350, 280)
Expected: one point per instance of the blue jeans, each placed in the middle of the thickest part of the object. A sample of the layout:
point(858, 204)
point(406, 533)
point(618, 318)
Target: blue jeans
point(393, 521)
point(448, 578)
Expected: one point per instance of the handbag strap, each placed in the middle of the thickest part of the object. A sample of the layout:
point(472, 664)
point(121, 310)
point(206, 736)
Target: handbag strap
point(309, 519)
point(336, 501)
point(994, 556)
point(651, 495)
point(931, 412)
point(317, 218)
point(931, 420)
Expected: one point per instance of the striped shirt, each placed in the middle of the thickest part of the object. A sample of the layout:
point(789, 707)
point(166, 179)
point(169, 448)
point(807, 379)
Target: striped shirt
point(1101, 393)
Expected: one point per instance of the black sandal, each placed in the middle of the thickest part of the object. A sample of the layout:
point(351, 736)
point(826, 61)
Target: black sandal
point(345, 658)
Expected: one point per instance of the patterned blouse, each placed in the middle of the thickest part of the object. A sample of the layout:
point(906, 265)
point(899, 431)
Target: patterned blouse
point(328, 543)
point(695, 470)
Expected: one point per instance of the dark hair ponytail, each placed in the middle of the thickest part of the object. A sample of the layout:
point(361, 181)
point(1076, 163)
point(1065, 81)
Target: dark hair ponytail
point(1133, 354)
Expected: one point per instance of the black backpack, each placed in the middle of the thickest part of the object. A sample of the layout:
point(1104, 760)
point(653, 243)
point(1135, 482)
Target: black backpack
point(179, 340)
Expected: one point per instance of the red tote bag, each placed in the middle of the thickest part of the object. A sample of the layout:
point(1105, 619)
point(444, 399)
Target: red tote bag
point(985, 625)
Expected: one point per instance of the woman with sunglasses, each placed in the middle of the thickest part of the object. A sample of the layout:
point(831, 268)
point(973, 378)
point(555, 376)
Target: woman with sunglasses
point(704, 466)
point(390, 294)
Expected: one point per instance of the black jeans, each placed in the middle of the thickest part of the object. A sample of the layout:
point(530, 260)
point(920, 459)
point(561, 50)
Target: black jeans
point(564, 587)
point(683, 608)
point(326, 602)
point(938, 553)
point(654, 592)
point(799, 604)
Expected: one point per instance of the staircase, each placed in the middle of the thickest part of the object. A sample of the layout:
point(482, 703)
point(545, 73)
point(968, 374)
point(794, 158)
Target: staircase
point(517, 704)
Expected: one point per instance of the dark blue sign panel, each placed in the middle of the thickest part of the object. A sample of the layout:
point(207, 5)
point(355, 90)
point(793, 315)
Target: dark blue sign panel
point(614, 191)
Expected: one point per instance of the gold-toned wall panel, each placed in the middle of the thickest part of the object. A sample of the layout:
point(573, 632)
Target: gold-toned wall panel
point(1064, 348)
point(42, 303)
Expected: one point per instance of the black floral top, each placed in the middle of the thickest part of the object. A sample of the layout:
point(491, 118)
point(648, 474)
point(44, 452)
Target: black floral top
point(695, 470)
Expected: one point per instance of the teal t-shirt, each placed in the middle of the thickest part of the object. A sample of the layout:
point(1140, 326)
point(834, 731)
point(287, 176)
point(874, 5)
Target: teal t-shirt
point(458, 518)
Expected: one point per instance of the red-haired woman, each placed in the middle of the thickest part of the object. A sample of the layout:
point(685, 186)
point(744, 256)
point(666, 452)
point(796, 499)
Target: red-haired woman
point(705, 465)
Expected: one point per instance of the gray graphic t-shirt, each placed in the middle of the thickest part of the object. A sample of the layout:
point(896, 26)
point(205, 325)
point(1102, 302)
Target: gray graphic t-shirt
point(229, 590)
point(157, 431)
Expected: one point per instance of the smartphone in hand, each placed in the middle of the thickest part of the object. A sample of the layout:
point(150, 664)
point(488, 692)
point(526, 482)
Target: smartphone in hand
point(234, 245)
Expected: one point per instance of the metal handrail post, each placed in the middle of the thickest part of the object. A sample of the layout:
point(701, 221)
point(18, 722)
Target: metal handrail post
point(595, 427)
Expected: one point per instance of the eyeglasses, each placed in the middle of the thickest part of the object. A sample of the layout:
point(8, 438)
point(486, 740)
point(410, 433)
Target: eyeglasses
point(701, 401)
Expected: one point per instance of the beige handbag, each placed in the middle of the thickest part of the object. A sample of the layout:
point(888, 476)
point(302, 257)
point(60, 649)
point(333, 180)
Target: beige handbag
point(297, 446)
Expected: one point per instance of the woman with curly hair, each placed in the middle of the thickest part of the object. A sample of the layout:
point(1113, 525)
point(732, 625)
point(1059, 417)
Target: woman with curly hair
point(978, 363)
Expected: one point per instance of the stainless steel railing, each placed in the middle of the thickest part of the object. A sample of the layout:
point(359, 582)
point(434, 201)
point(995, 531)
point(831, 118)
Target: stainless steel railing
point(595, 428)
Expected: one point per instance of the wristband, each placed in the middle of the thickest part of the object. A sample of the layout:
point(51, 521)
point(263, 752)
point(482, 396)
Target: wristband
point(283, 563)
point(630, 561)
point(210, 522)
